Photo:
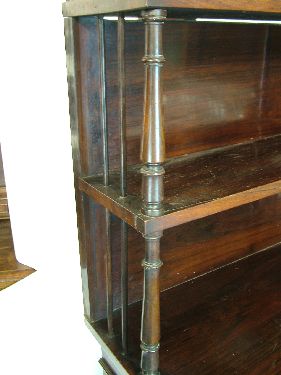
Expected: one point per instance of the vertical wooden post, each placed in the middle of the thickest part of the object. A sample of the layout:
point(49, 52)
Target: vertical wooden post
point(150, 329)
point(152, 155)
point(153, 140)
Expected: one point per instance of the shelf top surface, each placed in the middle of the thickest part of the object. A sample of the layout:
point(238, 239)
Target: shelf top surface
point(227, 321)
point(91, 7)
point(198, 185)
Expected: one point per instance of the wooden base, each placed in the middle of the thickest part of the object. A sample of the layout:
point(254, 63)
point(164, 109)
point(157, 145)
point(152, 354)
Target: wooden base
point(11, 270)
point(225, 322)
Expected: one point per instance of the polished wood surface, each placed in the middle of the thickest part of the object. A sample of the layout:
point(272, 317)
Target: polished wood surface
point(216, 93)
point(88, 7)
point(83, 80)
point(201, 246)
point(221, 97)
point(226, 322)
point(198, 185)
point(11, 270)
point(220, 88)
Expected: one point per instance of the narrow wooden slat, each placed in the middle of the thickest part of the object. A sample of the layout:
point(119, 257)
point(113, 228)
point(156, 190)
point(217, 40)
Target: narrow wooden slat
point(123, 181)
point(109, 295)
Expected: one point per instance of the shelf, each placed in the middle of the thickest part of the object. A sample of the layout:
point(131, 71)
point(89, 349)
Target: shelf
point(90, 7)
point(197, 185)
point(226, 322)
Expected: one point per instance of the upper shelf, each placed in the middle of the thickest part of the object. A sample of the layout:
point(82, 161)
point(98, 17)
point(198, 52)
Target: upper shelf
point(90, 7)
point(197, 185)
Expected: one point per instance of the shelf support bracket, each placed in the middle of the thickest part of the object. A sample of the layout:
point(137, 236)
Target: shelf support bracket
point(152, 156)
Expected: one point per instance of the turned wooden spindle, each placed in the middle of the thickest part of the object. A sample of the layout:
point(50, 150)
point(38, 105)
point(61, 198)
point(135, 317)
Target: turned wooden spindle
point(152, 155)
point(153, 139)
point(150, 329)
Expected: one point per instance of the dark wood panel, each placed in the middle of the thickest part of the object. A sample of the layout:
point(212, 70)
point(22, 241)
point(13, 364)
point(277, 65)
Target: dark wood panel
point(88, 92)
point(220, 87)
point(226, 322)
point(83, 82)
point(82, 47)
point(201, 246)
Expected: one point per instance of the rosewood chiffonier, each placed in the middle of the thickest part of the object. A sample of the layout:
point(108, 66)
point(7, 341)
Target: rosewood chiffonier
point(175, 110)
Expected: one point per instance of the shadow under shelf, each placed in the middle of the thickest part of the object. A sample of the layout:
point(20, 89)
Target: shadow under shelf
point(225, 322)
point(196, 185)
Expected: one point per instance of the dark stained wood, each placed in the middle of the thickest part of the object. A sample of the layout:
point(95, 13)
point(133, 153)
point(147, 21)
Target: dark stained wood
point(84, 92)
point(198, 185)
point(220, 88)
point(88, 7)
point(201, 246)
point(227, 322)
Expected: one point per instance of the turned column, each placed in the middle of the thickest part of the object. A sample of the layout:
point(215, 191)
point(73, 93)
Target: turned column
point(152, 156)
point(150, 329)
point(153, 139)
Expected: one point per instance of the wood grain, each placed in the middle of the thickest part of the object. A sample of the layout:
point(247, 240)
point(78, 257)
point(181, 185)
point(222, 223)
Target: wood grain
point(219, 87)
point(227, 322)
point(222, 87)
point(4, 209)
point(197, 185)
point(11, 270)
point(201, 246)
point(87, 7)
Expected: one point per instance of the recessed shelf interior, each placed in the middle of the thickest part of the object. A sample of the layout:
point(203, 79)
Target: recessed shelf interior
point(227, 321)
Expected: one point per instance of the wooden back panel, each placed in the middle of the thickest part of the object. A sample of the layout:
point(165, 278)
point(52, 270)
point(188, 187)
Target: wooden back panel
point(222, 85)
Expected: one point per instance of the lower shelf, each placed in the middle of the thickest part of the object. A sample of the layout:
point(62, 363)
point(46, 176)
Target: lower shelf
point(225, 322)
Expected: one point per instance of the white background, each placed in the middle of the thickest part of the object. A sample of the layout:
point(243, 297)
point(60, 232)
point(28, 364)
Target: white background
point(41, 318)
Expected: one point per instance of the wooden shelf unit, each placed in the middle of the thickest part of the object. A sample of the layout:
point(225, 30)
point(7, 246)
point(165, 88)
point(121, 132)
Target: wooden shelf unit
point(177, 166)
